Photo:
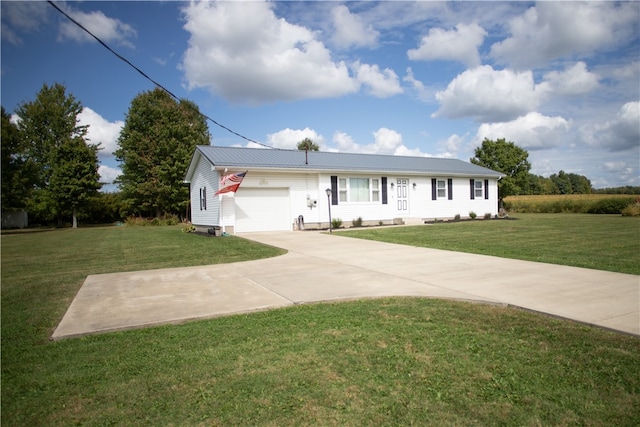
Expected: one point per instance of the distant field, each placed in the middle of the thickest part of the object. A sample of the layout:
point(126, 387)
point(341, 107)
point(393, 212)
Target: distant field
point(569, 203)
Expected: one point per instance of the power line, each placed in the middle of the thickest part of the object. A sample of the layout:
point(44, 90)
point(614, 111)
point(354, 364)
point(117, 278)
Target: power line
point(125, 60)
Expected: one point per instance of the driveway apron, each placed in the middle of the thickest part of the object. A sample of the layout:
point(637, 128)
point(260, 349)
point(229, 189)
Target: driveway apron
point(325, 267)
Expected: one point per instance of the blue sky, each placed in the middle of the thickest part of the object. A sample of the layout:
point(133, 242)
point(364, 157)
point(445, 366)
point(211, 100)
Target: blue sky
point(560, 79)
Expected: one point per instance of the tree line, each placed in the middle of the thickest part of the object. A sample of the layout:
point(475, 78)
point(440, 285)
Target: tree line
point(50, 167)
point(513, 161)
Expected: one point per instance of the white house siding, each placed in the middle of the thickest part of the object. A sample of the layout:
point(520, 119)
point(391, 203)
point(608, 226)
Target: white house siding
point(204, 177)
point(300, 187)
point(420, 203)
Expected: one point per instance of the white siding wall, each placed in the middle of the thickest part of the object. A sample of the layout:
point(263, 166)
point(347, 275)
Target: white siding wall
point(204, 177)
point(303, 187)
point(420, 200)
point(300, 187)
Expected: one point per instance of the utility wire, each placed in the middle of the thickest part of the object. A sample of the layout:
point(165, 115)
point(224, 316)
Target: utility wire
point(125, 60)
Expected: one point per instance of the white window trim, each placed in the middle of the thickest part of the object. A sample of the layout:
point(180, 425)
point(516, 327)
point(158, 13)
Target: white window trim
point(347, 189)
point(444, 189)
point(478, 189)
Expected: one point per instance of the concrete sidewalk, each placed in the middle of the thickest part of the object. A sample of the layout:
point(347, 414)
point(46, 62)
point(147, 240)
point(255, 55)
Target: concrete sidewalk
point(322, 267)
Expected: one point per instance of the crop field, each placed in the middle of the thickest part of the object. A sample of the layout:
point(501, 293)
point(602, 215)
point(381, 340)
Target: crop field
point(570, 203)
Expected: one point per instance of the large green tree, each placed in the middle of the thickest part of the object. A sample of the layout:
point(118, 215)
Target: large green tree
point(154, 148)
point(508, 158)
point(62, 164)
point(571, 183)
point(17, 179)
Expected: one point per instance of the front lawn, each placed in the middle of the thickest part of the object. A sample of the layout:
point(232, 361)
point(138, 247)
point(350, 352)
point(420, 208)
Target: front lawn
point(602, 242)
point(394, 361)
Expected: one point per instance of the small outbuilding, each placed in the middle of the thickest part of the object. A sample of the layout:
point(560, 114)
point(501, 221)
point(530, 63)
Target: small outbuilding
point(284, 190)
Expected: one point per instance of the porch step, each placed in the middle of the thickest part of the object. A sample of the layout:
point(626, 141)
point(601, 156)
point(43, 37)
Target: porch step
point(408, 221)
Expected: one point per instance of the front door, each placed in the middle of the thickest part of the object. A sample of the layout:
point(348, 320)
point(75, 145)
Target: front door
point(402, 195)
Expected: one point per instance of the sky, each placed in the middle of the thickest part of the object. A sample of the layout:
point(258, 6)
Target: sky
point(559, 79)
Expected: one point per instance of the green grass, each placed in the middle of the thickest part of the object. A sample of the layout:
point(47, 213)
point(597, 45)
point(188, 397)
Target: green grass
point(602, 242)
point(395, 361)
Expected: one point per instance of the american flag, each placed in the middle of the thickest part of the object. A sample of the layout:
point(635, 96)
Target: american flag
point(230, 183)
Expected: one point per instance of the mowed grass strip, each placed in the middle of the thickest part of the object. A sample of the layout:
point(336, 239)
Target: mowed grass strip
point(602, 242)
point(396, 361)
point(373, 362)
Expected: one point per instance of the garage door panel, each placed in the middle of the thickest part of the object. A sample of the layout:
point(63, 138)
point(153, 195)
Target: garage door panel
point(262, 209)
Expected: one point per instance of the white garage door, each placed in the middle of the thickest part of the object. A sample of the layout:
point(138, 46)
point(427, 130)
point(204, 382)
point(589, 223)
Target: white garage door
point(262, 209)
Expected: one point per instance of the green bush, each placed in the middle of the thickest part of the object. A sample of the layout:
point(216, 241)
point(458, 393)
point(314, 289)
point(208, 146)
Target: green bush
point(610, 206)
point(141, 221)
point(473, 215)
point(336, 223)
point(457, 217)
point(357, 222)
point(632, 210)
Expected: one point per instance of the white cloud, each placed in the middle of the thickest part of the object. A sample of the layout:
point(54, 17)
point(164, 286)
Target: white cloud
point(453, 144)
point(627, 71)
point(21, 17)
point(105, 28)
point(289, 138)
point(385, 141)
point(350, 30)
point(576, 80)
point(108, 174)
point(381, 84)
point(424, 93)
point(552, 30)
point(101, 131)
point(489, 95)
point(532, 132)
point(460, 44)
point(618, 134)
point(245, 53)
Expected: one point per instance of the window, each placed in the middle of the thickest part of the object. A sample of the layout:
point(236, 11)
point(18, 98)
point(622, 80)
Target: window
point(359, 190)
point(342, 189)
point(442, 188)
point(203, 198)
point(478, 188)
point(375, 190)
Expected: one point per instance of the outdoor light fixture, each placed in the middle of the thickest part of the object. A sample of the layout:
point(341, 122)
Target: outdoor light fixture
point(392, 185)
point(328, 191)
point(414, 185)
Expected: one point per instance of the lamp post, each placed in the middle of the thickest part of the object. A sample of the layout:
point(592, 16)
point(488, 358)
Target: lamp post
point(328, 191)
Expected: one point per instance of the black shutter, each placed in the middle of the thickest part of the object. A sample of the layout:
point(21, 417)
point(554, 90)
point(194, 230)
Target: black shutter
point(334, 190)
point(434, 189)
point(204, 198)
point(450, 189)
point(200, 198)
point(384, 190)
point(472, 184)
point(486, 189)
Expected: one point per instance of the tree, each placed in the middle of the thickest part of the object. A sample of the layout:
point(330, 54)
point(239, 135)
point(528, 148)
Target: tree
point(156, 143)
point(571, 183)
point(539, 185)
point(17, 179)
point(308, 144)
point(507, 158)
point(75, 179)
point(63, 164)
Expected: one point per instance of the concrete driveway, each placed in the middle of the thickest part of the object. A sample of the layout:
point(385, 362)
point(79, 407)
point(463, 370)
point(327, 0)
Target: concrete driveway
point(323, 267)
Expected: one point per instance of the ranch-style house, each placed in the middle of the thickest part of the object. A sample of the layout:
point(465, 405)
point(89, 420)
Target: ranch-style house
point(286, 190)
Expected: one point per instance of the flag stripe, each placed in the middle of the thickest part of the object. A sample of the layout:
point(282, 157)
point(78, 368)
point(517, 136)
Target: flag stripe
point(230, 183)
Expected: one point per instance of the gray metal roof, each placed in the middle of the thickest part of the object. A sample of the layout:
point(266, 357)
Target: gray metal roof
point(260, 158)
